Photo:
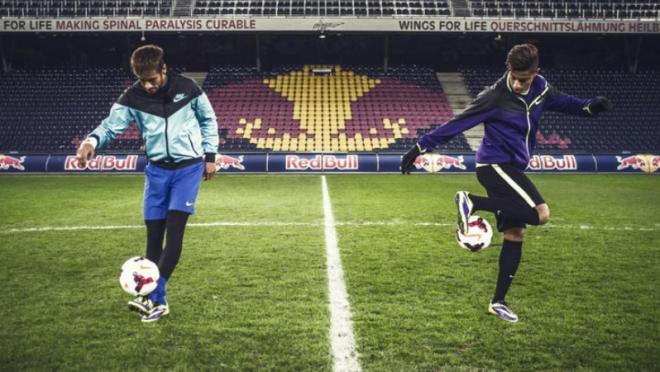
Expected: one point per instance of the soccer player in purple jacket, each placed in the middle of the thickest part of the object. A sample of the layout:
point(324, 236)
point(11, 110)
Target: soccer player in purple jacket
point(510, 110)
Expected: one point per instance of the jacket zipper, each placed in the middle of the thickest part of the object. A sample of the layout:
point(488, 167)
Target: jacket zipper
point(529, 126)
point(167, 141)
point(529, 121)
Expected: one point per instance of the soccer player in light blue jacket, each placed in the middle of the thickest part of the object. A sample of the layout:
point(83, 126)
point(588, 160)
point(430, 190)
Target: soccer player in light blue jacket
point(180, 135)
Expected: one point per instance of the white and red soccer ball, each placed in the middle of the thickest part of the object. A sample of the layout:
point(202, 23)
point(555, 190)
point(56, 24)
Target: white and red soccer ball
point(139, 276)
point(478, 236)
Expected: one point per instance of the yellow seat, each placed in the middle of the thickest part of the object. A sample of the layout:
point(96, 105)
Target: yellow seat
point(247, 133)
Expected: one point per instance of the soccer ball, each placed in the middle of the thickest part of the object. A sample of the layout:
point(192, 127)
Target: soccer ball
point(478, 236)
point(139, 276)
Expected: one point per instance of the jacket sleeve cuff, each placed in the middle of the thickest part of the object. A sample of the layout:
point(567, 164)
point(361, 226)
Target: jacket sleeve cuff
point(94, 140)
point(209, 157)
point(423, 146)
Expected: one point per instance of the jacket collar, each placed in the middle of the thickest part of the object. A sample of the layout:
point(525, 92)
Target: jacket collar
point(538, 87)
point(164, 93)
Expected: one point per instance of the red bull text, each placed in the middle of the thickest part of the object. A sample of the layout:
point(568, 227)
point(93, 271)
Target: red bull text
point(549, 162)
point(103, 163)
point(322, 162)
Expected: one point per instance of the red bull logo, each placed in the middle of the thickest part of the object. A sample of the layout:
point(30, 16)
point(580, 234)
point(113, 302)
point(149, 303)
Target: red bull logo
point(447, 162)
point(647, 163)
point(103, 163)
point(434, 163)
point(7, 162)
point(224, 162)
point(422, 161)
point(549, 162)
point(322, 162)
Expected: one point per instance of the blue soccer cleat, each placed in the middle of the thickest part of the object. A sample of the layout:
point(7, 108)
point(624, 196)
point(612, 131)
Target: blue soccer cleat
point(502, 311)
point(156, 313)
point(464, 208)
point(159, 300)
point(141, 305)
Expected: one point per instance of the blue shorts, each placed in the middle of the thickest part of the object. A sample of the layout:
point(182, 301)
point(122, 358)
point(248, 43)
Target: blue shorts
point(171, 189)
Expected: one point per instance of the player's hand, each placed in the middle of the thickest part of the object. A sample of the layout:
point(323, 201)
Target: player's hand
point(84, 153)
point(209, 170)
point(408, 160)
point(599, 104)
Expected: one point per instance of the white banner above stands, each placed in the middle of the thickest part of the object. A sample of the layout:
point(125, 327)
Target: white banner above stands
point(343, 24)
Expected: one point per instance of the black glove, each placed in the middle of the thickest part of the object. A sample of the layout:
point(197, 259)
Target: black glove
point(408, 160)
point(598, 105)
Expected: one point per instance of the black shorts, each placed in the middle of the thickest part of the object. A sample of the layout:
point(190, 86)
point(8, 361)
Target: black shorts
point(508, 182)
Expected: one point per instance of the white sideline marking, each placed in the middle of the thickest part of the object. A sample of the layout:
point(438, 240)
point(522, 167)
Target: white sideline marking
point(342, 339)
point(311, 224)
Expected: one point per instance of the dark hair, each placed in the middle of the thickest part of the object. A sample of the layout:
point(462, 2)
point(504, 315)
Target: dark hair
point(147, 58)
point(523, 57)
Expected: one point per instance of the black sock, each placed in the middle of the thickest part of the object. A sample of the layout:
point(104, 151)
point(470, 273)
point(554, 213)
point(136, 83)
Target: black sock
point(176, 225)
point(518, 210)
point(155, 236)
point(509, 261)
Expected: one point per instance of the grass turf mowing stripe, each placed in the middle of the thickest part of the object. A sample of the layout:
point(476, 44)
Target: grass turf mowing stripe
point(342, 339)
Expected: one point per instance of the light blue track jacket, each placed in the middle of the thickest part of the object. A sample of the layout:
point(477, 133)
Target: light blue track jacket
point(177, 123)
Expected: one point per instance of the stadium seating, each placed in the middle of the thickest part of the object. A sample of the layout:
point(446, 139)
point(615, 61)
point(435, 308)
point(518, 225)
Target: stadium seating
point(50, 110)
point(631, 126)
point(90, 8)
point(360, 109)
point(619, 9)
point(322, 8)
point(327, 108)
point(612, 9)
point(85, 8)
point(322, 108)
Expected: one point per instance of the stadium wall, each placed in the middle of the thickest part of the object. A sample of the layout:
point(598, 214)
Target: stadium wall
point(333, 163)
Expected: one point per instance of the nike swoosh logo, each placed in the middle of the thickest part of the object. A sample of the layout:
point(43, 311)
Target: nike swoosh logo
point(189, 204)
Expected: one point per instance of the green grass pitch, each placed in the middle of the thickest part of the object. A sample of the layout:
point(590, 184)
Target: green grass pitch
point(250, 291)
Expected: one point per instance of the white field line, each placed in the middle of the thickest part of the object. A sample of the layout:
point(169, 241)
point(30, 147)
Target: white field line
point(125, 227)
point(342, 339)
point(19, 230)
